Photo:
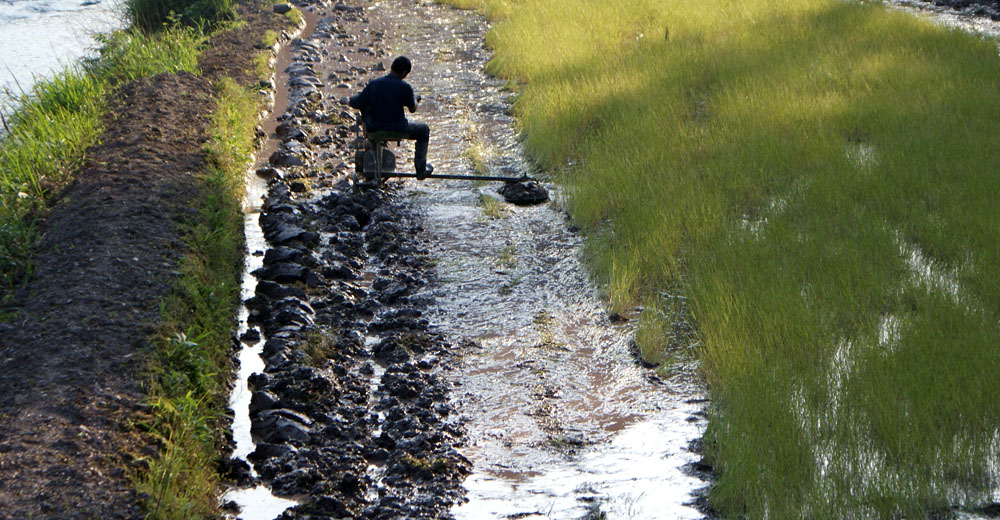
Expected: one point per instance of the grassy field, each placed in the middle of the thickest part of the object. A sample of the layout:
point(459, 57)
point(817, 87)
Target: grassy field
point(817, 180)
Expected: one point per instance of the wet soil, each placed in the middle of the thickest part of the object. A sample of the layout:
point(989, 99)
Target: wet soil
point(73, 355)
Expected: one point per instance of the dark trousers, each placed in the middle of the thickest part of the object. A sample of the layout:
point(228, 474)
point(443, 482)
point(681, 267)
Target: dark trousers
point(422, 134)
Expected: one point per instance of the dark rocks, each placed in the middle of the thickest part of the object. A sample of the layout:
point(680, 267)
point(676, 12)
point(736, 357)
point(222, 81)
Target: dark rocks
point(981, 8)
point(270, 172)
point(331, 402)
point(287, 158)
point(524, 192)
point(288, 273)
point(282, 426)
point(281, 8)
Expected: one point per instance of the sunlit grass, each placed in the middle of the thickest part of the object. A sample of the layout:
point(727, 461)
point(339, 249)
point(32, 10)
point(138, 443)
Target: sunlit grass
point(187, 388)
point(776, 160)
point(492, 208)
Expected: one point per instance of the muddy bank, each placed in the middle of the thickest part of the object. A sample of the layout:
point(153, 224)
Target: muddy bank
point(349, 415)
point(74, 355)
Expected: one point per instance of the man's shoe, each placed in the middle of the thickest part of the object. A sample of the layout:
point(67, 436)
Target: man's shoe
point(429, 169)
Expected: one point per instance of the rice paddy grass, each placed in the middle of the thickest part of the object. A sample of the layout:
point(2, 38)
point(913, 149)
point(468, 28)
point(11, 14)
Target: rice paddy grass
point(817, 179)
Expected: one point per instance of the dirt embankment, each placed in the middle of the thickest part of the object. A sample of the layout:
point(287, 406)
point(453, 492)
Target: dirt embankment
point(72, 361)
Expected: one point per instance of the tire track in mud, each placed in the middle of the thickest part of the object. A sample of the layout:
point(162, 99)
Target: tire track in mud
point(417, 332)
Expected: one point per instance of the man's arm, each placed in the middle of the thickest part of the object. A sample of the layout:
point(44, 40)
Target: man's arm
point(412, 105)
point(361, 100)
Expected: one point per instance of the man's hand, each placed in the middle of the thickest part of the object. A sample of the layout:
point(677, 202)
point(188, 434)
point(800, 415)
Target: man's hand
point(418, 98)
point(344, 100)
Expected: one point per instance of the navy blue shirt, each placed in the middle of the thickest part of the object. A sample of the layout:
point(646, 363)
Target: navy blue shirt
point(382, 101)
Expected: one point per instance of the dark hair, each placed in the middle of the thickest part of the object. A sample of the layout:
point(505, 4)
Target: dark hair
point(401, 65)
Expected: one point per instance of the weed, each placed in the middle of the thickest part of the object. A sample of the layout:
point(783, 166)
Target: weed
point(492, 208)
point(426, 465)
point(153, 15)
point(186, 389)
point(477, 153)
point(507, 258)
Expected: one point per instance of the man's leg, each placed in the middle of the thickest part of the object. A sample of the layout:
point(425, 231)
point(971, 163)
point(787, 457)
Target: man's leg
point(422, 133)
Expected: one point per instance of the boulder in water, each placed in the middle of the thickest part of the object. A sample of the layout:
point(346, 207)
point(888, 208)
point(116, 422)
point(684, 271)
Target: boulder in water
point(524, 192)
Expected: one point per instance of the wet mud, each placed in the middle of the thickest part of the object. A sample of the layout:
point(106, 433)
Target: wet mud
point(429, 351)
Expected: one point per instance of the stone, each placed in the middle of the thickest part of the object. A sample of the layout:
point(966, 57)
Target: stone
point(287, 273)
point(281, 8)
point(284, 158)
point(251, 336)
point(524, 192)
point(284, 254)
point(279, 426)
point(262, 400)
point(277, 291)
point(270, 172)
point(289, 234)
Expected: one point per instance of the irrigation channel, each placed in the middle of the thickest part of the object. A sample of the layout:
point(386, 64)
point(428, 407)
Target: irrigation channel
point(426, 350)
point(466, 362)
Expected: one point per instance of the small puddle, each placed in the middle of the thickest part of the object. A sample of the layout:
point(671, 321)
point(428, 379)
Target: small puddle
point(562, 421)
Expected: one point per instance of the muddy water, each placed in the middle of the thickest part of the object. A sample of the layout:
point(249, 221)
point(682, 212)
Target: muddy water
point(562, 421)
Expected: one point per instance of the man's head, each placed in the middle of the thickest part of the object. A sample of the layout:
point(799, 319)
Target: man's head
point(401, 66)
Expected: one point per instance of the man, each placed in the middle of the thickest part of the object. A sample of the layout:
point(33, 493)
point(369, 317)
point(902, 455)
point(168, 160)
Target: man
point(381, 104)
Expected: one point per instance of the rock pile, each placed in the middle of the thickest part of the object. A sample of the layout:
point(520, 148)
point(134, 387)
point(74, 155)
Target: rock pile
point(985, 8)
point(350, 412)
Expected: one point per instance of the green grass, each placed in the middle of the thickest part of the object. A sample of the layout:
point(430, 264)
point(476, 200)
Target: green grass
point(153, 15)
point(492, 208)
point(191, 365)
point(818, 178)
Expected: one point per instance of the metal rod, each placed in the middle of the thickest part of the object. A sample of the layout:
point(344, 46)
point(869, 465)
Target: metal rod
point(455, 177)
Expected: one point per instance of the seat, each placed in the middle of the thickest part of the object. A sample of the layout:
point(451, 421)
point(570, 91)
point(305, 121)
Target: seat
point(377, 141)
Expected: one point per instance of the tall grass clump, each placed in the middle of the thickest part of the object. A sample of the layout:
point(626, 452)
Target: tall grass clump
point(817, 178)
point(188, 389)
point(153, 15)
